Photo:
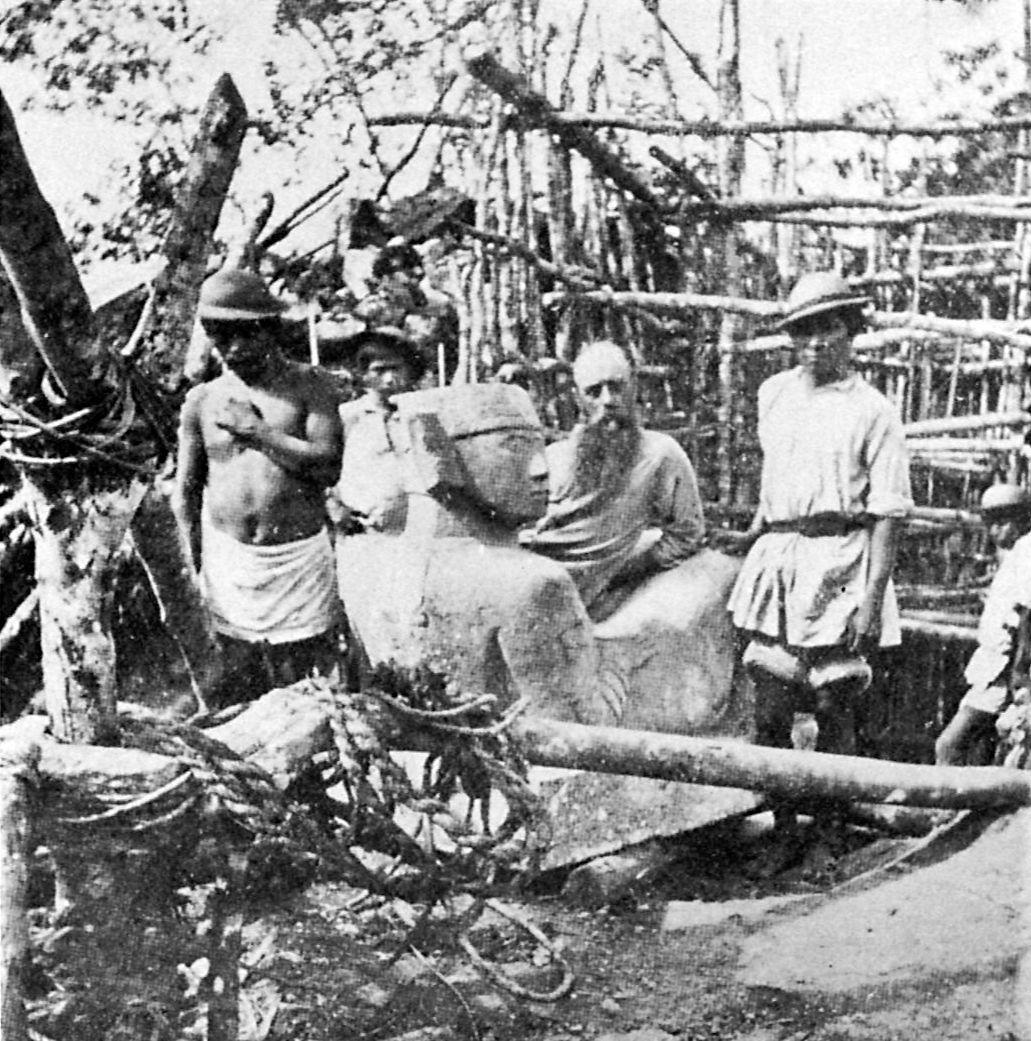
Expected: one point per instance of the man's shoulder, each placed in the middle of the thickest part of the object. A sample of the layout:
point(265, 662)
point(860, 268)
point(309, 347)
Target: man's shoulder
point(304, 375)
point(773, 386)
point(1021, 552)
point(866, 391)
point(656, 444)
point(203, 393)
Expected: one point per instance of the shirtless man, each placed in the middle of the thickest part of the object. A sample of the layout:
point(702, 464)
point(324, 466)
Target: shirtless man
point(258, 445)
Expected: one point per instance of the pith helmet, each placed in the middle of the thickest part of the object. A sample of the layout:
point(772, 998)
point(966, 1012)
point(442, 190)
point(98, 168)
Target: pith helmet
point(817, 293)
point(231, 295)
point(1005, 500)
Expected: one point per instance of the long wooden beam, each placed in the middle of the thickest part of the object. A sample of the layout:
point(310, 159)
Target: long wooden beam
point(959, 424)
point(766, 206)
point(537, 113)
point(722, 128)
point(678, 303)
point(671, 303)
point(930, 212)
point(781, 772)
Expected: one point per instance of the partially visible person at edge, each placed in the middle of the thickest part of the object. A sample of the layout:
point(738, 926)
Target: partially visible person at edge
point(1001, 661)
point(609, 482)
point(258, 445)
point(814, 593)
point(370, 494)
point(559, 408)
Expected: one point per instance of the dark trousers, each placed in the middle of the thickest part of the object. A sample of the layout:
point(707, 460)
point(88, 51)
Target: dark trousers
point(249, 670)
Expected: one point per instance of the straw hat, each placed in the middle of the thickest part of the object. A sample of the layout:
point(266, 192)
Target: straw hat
point(1005, 499)
point(817, 293)
point(349, 350)
point(232, 295)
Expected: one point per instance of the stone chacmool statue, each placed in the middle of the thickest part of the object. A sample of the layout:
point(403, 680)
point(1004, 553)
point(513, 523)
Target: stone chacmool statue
point(456, 591)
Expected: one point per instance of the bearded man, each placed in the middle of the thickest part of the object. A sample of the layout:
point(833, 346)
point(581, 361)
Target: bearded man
point(611, 482)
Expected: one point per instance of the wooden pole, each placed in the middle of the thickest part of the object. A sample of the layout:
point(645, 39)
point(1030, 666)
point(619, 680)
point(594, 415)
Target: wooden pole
point(18, 778)
point(677, 303)
point(960, 424)
point(782, 772)
point(710, 128)
point(731, 162)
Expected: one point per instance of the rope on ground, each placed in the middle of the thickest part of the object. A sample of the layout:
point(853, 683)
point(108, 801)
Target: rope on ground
point(498, 977)
point(470, 1018)
point(137, 804)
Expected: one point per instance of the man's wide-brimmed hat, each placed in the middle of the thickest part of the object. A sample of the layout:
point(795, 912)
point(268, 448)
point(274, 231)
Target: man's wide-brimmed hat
point(354, 350)
point(1003, 500)
point(818, 293)
point(231, 295)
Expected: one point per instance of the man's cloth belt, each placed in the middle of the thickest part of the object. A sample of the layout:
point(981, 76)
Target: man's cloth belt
point(821, 525)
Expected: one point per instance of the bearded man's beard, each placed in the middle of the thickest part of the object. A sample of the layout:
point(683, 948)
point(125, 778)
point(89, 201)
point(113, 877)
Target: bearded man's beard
point(604, 456)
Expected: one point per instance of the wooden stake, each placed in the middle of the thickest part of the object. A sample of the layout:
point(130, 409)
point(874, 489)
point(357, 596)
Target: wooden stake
point(17, 780)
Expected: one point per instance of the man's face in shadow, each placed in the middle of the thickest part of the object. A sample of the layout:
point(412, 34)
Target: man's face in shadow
point(386, 372)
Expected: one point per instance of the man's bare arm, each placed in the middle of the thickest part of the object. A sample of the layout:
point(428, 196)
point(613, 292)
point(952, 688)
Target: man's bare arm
point(191, 475)
point(865, 625)
point(314, 456)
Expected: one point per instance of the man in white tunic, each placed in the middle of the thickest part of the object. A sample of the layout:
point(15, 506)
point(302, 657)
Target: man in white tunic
point(1002, 632)
point(815, 592)
point(370, 494)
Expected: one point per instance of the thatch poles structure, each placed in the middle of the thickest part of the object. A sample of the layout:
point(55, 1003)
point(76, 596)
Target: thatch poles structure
point(604, 269)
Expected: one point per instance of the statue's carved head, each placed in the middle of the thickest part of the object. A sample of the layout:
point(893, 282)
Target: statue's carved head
point(483, 440)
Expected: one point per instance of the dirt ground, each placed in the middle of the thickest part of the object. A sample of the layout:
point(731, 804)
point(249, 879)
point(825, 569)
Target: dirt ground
point(862, 938)
point(927, 951)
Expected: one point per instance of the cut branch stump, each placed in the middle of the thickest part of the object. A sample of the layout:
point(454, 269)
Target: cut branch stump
point(187, 246)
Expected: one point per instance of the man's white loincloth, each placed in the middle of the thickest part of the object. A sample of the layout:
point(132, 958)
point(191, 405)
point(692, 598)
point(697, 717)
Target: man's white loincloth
point(277, 594)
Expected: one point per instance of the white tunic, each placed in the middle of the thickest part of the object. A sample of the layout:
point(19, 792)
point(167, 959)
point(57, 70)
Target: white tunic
point(836, 449)
point(1009, 592)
